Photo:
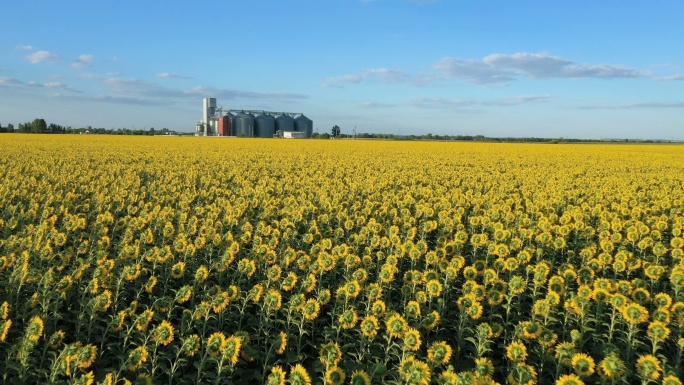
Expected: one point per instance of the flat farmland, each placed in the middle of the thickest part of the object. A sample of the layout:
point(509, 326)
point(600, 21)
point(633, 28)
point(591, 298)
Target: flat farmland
point(172, 260)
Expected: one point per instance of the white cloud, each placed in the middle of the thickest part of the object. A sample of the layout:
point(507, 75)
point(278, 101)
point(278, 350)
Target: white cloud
point(40, 56)
point(502, 68)
point(376, 105)
point(168, 75)
point(83, 62)
point(20, 85)
point(673, 77)
point(441, 103)
point(383, 75)
point(25, 47)
point(137, 88)
point(637, 105)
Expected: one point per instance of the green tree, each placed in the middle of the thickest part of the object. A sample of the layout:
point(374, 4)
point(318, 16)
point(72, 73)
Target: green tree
point(336, 131)
point(38, 126)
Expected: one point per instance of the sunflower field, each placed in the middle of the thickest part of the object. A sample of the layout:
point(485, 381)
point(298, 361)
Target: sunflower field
point(168, 260)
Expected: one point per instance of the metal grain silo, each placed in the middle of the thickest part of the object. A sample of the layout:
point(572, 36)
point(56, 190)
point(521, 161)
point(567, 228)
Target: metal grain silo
point(304, 124)
point(225, 125)
point(284, 123)
point(243, 125)
point(264, 126)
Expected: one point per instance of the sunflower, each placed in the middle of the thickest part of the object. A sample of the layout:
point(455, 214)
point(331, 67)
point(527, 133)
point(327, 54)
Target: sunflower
point(484, 368)
point(276, 377)
point(282, 343)
point(231, 349)
point(255, 293)
point(309, 283)
point(569, 379)
point(671, 380)
point(641, 296)
point(431, 320)
point(330, 354)
point(516, 351)
point(447, 377)
point(178, 269)
point(396, 326)
point(662, 300)
point(475, 310)
point(522, 374)
point(34, 330)
point(634, 313)
point(220, 301)
point(517, 284)
point(648, 367)
point(612, 367)
point(582, 364)
point(373, 292)
point(412, 309)
point(183, 294)
point(56, 339)
point(191, 345)
point(4, 310)
point(565, 351)
point(334, 376)
point(547, 338)
point(414, 371)
point(273, 273)
point(359, 377)
point(658, 331)
point(348, 318)
point(215, 344)
point(299, 376)
point(439, 353)
point(309, 309)
point(289, 281)
point(85, 356)
point(412, 340)
point(137, 358)
point(531, 329)
point(272, 300)
point(369, 326)
point(163, 334)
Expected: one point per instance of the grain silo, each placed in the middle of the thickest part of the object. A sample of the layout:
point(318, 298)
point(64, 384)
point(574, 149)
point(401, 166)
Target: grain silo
point(225, 125)
point(243, 124)
point(304, 124)
point(285, 123)
point(264, 126)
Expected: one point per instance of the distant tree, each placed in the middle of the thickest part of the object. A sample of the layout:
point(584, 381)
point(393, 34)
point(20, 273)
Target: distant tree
point(38, 126)
point(10, 127)
point(336, 131)
point(324, 135)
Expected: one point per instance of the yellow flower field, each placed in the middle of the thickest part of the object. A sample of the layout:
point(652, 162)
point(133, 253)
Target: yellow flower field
point(172, 260)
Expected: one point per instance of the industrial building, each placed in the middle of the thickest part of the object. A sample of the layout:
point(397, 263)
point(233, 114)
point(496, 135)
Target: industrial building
point(251, 123)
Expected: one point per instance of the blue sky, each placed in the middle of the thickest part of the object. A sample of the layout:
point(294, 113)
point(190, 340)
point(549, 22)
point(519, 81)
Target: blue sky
point(576, 69)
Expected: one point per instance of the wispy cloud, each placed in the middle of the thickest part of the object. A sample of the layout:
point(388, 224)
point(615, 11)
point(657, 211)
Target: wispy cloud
point(376, 105)
point(168, 75)
point(637, 105)
point(502, 68)
point(442, 103)
point(137, 88)
point(382, 75)
point(40, 56)
point(14, 83)
point(82, 62)
point(24, 47)
point(673, 77)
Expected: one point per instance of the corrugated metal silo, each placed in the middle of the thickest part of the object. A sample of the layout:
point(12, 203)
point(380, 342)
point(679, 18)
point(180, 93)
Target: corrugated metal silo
point(243, 125)
point(304, 124)
point(264, 126)
point(285, 123)
point(224, 125)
